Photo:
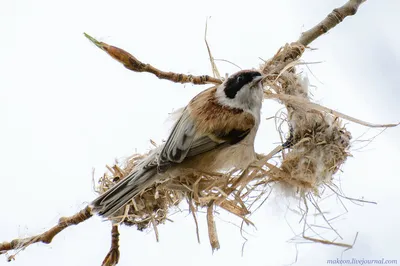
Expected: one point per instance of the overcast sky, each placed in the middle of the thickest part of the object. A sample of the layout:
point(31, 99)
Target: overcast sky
point(66, 107)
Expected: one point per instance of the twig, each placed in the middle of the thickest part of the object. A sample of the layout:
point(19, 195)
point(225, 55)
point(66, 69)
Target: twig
point(132, 63)
point(333, 19)
point(193, 211)
point(153, 222)
point(112, 257)
point(290, 53)
point(46, 237)
point(212, 230)
point(213, 65)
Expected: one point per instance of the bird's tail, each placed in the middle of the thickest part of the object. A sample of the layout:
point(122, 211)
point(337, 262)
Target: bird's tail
point(120, 194)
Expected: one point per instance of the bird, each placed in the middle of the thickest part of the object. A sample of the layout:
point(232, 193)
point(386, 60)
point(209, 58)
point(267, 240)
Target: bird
point(215, 132)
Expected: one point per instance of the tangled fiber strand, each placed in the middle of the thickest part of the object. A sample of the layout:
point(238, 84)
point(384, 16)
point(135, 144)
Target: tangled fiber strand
point(200, 189)
point(319, 144)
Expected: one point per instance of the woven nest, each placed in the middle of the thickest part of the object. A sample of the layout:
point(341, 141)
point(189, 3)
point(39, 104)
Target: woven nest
point(320, 142)
point(318, 147)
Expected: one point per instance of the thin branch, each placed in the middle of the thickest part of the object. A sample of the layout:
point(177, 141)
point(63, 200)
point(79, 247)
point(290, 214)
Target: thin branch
point(212, 230)
point(292, 52)
point(46, 237)
point(132, 63)
point(153, 222)
point(112, 257)
point(193, 211)
point(333, 19)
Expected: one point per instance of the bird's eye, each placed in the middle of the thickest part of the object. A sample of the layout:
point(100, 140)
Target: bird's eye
point(239, 79)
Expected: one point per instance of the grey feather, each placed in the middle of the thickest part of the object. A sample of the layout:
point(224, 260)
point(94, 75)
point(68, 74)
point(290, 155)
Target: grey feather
point(180, 140)
point(181, 143)
point(119, 195)
point(201, 145)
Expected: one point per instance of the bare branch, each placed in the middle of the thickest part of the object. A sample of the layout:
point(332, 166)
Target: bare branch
point(132, 63)
point(212, 230)
point(112, 257)
point(46, 237)
point(333, 19)
point(193, 211)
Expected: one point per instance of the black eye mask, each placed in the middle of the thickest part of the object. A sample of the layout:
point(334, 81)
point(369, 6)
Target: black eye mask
point(236, 82)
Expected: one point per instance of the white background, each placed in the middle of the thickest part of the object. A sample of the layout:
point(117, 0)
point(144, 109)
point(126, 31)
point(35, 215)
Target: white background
point(66, 107)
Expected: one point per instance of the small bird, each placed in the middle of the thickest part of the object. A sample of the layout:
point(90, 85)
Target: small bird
point(215, 132)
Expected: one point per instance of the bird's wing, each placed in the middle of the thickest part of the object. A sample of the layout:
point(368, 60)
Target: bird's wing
point(183, 141)
point(179, 141)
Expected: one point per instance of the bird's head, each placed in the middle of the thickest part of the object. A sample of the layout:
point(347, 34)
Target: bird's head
point(242, 90)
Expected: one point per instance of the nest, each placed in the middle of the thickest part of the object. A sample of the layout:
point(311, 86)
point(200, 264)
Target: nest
point(318, 140)
point(198, 188)
point(318, 146)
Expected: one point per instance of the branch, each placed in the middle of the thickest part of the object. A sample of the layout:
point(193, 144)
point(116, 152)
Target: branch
point(212, 230)
point(290, 53)
point(46, 237)
point(132, 63)
point(333, 19)
point(112, 257)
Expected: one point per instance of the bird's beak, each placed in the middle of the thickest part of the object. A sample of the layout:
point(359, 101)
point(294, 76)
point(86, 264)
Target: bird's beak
point(257, 79)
